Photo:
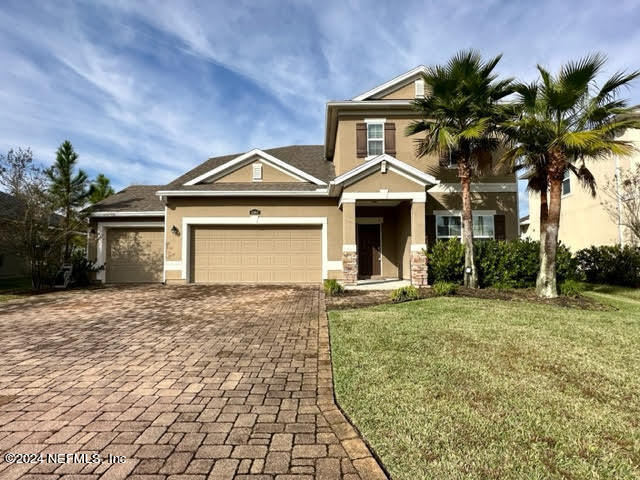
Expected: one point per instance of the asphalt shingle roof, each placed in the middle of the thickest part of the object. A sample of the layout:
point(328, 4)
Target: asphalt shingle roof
point(135, 198)
point(143, 198)
point(308, 158)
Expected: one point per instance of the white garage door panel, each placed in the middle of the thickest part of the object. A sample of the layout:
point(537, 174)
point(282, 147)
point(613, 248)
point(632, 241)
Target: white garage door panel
point(267, 254)
point(134, 255)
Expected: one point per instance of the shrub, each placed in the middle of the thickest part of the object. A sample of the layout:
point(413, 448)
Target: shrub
point(82, 270)
point(446, 261)
point(571, 288)
point(610, 264)
point(405, 294)
point(441, 289)
point(332, 287)
point(515, 264)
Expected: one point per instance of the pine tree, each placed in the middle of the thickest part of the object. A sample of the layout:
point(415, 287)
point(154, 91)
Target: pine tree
point(100, 189)
point(69, 191)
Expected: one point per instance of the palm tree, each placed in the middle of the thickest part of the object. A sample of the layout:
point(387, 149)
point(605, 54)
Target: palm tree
point(564, 120)
point(460, 115)
point(100, 189)
point(68, 190)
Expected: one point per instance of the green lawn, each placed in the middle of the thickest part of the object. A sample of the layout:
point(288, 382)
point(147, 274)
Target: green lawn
point(13, 286)
point(453, 388)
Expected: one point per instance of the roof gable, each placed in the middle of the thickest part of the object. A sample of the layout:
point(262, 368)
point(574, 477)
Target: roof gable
point(308, 158)
point(250, 157)
point(393, 165)
point(397, 83)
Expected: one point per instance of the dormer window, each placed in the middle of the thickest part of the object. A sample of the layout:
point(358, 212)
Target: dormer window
point(257, 172)
point(375, 138)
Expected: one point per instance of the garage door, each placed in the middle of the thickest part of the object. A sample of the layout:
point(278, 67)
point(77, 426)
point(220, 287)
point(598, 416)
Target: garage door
point(134, 255)
point(256, 254)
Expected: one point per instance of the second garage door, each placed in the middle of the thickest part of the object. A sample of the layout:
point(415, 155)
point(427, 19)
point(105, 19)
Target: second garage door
point(134, 255)
point(256, 254)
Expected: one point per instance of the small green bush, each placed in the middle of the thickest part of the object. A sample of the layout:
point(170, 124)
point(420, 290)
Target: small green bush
point(446, 261)
point(332, 287)
point(405, 294)
point(82, 269)
point(610, 264)
point(571, 288)
point(442, 289)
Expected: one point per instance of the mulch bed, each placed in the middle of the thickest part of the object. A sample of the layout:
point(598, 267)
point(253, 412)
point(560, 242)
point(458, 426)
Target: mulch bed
point(369, 298)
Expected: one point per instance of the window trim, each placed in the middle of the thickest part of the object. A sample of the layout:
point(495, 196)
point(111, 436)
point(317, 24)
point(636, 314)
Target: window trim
point(375, 121)
point(451, 165)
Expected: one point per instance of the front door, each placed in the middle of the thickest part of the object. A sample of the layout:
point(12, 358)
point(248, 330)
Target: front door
point(368, 250)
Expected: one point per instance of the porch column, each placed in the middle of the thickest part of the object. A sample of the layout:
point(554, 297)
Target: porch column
point(418, 245)
point(349, 249)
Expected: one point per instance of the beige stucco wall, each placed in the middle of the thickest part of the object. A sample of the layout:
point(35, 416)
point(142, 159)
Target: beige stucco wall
point(583, 220)
point(377, 180)
point(345, 152)
point(503, 203)
point(179, 207)
point(245, 174)
point(407, 92)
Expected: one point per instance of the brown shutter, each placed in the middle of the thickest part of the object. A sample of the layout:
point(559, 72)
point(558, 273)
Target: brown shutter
point(390, 138)
point(361, 140)
point(499, 227)
point(431, 230)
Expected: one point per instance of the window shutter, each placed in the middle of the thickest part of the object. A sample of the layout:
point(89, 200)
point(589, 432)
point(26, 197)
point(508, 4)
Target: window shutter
point(431, 230)
point(390, 138)
point(499, 227)
point(361, 140)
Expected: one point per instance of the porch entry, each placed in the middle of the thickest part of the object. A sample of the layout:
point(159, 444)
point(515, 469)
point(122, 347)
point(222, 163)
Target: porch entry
point(369, 238)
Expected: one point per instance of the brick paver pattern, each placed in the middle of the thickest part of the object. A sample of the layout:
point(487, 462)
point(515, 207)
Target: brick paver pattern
point(192, 382)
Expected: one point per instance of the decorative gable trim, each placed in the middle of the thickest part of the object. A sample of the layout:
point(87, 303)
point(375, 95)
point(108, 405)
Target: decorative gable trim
point(247, 157)
point(391, 83)
point(394, 165)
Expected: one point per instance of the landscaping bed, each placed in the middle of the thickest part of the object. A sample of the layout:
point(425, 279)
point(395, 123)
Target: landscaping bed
point(368, 298)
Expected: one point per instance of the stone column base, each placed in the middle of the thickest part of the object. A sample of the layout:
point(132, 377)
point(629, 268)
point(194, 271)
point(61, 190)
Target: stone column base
point(418, 269)
point(350, 268)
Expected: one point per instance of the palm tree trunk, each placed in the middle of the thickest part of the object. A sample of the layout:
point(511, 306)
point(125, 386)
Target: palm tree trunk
point(544, 215)
point(470, 272)
point(546, 286)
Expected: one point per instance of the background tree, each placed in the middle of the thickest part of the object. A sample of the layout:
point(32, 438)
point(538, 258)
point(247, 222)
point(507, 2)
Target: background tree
point(622, 201)
point(69, 191)
point(100, 189)
point(460, 117)
point(563, 120)
point(31, 230)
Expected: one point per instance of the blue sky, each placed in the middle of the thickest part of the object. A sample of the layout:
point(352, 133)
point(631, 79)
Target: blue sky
point(146, 90)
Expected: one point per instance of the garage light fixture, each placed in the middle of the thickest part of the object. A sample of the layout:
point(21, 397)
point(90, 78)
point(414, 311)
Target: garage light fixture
point(175, 230)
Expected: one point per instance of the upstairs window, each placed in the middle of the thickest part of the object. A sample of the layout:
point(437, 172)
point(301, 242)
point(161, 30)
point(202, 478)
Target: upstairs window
point(566, 183)
point(375, 139)
point(257, 172)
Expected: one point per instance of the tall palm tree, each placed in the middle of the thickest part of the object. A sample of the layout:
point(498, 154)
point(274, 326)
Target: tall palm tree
point(460, 115)
point(564, 120)
point(100, 189)
point(68, 189)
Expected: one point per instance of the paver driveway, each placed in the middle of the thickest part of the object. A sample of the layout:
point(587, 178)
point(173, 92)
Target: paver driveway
point(185, 382)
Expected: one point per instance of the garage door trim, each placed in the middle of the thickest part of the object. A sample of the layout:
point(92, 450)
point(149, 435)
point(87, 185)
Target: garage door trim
point(103, 231)
point(187, 222)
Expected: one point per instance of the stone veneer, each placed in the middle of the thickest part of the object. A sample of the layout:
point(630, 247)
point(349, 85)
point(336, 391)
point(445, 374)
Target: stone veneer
point(418, 269)
point(350, 267)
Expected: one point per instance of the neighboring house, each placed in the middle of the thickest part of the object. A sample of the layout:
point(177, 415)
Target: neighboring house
point(524, 226)
point(583, 219)
point(11, 264)
point(360, 206)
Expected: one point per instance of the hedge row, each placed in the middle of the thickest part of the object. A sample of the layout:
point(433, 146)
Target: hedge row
point(515, 264)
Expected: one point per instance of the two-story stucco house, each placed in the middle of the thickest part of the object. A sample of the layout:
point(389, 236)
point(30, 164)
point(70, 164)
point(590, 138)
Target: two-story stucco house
point(360, 206)
point(584, 221)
